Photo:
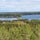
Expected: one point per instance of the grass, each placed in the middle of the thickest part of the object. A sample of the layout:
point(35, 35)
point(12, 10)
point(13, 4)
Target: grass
point(20, 30)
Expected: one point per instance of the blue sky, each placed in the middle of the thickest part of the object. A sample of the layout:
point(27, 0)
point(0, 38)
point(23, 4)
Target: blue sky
point(19, 5)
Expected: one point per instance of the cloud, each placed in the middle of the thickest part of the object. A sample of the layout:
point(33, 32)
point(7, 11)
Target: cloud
point(20, 5)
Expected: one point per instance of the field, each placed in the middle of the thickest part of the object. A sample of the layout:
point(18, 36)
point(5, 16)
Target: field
point(20, 30)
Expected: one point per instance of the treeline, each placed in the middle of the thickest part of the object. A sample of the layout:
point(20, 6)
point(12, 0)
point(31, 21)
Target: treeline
point(17, 14)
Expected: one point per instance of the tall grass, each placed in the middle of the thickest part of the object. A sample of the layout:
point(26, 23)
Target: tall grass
point(20, 30)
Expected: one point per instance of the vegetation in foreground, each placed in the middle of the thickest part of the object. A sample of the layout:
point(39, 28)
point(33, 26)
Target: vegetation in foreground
point(20, 30)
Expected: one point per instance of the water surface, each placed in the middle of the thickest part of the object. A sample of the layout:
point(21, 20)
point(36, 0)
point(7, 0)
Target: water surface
point(30, 17)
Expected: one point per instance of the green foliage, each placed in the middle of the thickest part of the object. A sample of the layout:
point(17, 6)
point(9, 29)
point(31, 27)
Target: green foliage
point(20, 30)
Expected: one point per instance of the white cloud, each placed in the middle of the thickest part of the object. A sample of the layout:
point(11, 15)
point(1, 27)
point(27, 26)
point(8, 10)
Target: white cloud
point(20, 5)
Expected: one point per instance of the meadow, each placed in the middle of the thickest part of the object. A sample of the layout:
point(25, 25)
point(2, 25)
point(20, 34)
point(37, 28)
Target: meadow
point(20, 30)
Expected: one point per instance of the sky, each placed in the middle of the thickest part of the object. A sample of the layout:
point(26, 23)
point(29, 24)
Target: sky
point(19, 5)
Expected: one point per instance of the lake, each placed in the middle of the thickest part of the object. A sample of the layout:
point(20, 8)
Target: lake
point(30, 17)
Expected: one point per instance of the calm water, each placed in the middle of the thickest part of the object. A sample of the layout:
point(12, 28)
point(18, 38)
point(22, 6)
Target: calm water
point(31, 17)
point(24, 17)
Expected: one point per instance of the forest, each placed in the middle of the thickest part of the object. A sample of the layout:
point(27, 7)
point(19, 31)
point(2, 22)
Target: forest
point(17, 14)
point(20, 30)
